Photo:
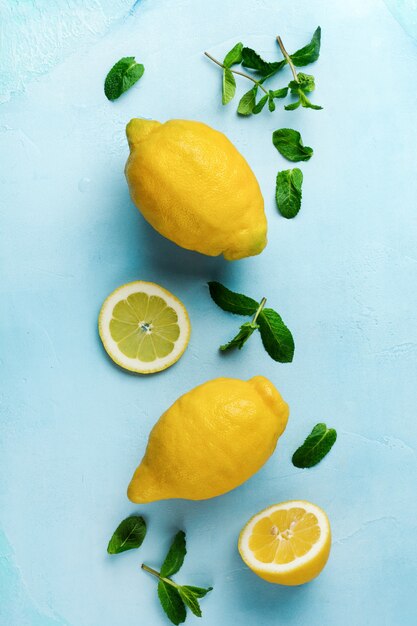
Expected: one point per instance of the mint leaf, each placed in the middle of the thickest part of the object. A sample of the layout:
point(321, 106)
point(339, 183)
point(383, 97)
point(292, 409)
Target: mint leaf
point(234, 56)
point(122, 76)
point(199, 592)
point(231, 301)
point(129, 534)
point(258, 107)
point(288, 143)
point(241, 338)
point(302, 86)
point(247, 102)
point(310, 52)
point(279, 93)
point(276, 337)
point(175, 557)
point(288, 192)
point(252, 60)
point(171, 602)
point(190, 600)
point(228, 86)
point(319, 443)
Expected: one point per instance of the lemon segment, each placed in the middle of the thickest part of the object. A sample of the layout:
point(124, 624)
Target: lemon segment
point(288, 543)
point(143, 327)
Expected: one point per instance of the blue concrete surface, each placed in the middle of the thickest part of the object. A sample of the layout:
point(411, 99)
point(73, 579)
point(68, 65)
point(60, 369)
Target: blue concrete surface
point(342, 274)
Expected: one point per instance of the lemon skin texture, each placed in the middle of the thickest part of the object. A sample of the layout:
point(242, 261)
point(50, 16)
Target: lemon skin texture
point(211, 440)
point(193, 186)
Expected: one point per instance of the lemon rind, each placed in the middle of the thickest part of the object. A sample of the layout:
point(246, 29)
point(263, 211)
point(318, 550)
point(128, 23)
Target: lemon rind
point(111, 347)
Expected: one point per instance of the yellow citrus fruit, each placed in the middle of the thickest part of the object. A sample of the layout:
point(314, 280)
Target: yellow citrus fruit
point(189, 181)
point(287, 543)
point(211, 440)
point(143, 327)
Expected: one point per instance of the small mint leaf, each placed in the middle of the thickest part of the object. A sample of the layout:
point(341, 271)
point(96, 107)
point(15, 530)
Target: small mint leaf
point(241, 338)
point(171, 602)
point(234, 56)
point(288, 142)
point(247, 102)
point(175, 557)
point(260, 105)
point(276, 337)
point(309, 53)
point(231, 301)
point(288, 192)
point(129, 534)
point(228, 86)
point(318, 443)
point(123, 75)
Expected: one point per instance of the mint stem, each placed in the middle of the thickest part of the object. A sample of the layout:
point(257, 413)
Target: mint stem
point(287, 58)
point(236, 72)
point(150, 570)
point(158, 575)
point(260, 307)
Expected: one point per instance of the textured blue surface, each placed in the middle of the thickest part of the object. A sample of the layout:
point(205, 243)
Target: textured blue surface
point(342, 274)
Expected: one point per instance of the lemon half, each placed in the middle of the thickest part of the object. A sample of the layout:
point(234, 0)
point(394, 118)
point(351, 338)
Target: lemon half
point(287, 543)
point(143, 327)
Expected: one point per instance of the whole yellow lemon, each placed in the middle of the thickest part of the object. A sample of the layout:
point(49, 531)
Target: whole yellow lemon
point(211, 440)
point(189, 181)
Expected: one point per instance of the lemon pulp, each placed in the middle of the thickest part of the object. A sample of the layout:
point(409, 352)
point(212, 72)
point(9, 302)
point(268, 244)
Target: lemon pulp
point(144, 328)
point(284, 535)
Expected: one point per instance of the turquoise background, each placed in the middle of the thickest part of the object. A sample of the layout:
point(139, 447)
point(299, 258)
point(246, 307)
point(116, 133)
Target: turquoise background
point(343, 275)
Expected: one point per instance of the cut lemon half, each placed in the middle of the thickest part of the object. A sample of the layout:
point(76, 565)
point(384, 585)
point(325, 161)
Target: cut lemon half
point(287, 543)
point(143, 327)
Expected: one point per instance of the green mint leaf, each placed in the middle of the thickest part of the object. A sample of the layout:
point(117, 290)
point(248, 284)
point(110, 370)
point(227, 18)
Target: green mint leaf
point(122, 76)
point(319, 442)
point(228, 86)
point(190, 600)
point(276, 337)
point(128, 535)
point(171, 602)
point(234, 56)
point(305, 82)
point(175, 557)
point(231, 301)
point(293, 106)
point(279, 93)
point(247, 102)
point(260, 105)
point(288, 143)
point(288, 192)
point(271, 103)
point(253, 61)
point(199, 592)
point(241, 338)
point(310, 52)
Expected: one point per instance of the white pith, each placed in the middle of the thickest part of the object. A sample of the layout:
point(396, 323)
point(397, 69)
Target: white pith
point(133, 364)
point(297, 562)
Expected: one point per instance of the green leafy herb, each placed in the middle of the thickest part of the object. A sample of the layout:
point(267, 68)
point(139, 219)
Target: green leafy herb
point(258, 107)
point(276, 337)
point(171, 602)
point(263, 71)
point(300, 88)
point(310, 52)
point(247, 102)
point(288, 192)
point(319, 442)
point(128, 535)
point(122, 76)
point(241, 338)
point(234, 56)
point(228, 86)
point(174, 598)
point(254, 61)
point(231, 301)
point(288, 143)
point(175, 557)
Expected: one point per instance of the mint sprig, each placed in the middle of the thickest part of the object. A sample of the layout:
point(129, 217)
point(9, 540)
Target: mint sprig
point(175, 598)
point(122, 76)
point(300, 86)
point(318, 443)
point(276, 337)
